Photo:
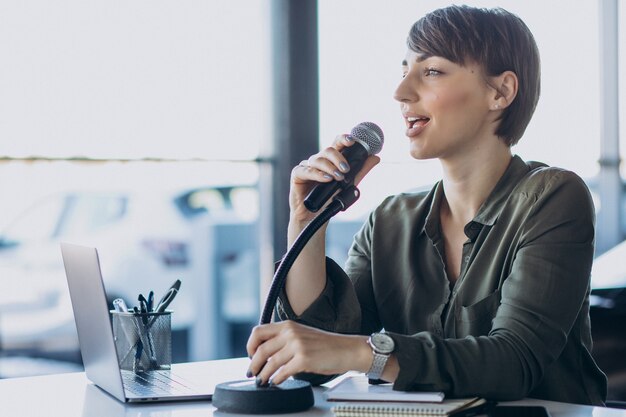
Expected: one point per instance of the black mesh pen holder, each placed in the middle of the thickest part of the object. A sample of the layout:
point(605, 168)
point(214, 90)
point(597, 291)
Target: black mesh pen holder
point(143, 341)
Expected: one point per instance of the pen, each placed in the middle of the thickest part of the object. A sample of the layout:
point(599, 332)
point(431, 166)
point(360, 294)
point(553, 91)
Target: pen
point(168, 297)
point(138, 352)
point(120, 305)
point(135, 341)
point(150, 301)
point(143, 305)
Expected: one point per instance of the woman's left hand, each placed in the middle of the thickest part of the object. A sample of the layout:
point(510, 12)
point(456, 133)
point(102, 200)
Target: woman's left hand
point(280, 350)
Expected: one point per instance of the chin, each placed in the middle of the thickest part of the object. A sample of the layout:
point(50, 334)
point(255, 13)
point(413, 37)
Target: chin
point(420, 153)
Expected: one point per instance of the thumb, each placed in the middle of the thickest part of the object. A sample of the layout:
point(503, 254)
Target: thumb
point(370, 163)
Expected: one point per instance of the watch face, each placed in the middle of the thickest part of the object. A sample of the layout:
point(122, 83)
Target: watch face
point(383, 343)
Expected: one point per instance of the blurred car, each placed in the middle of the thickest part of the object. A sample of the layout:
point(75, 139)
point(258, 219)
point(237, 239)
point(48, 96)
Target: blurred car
point(144, 239)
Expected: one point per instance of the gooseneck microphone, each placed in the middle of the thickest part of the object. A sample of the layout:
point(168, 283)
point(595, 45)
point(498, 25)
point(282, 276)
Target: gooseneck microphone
point(245, 397)
point(369, 140)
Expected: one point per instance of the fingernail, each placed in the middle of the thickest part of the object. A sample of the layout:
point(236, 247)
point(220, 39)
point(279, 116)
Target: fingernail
point(249, 374)
point(259, 381)
point(344, 167)
point(328, 177)
point(338, 174)
point(349, 138)
point(271, 383)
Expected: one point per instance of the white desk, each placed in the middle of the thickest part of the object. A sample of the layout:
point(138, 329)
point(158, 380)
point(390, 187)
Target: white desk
point(72, 395)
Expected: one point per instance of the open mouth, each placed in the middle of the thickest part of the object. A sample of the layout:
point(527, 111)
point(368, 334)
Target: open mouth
point(414, 122)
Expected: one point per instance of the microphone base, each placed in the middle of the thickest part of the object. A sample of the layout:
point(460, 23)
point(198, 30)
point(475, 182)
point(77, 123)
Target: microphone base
point(245, 397)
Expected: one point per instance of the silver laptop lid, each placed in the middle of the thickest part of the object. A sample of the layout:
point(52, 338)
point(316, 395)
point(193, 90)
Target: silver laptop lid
point(91, 313)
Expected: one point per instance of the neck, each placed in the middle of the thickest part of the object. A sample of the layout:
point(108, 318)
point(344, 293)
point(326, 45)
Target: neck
point(469, 180)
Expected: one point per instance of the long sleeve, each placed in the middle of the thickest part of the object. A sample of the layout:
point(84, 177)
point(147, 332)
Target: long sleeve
point(336, 309)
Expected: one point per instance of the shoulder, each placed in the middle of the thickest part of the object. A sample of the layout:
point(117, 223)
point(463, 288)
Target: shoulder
point(553, 196)
point(418, 200)
point(400, 213)
point(543, 176)
point(544, 181)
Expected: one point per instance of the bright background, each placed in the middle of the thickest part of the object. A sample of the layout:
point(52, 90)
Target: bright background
point(155, 96)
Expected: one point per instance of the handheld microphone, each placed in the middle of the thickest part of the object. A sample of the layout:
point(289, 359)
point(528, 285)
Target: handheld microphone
point(369, 140)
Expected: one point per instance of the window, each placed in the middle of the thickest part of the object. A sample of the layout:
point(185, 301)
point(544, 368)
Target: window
point(133, 127)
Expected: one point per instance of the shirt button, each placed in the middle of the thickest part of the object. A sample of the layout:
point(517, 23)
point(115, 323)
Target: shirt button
point(467, 258)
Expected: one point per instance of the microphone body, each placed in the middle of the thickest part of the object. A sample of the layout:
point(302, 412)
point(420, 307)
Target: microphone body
point(356, 156)
point(369, 140)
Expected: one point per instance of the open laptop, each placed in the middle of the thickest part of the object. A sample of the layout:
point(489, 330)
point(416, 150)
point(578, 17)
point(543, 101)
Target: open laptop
point(97, 345)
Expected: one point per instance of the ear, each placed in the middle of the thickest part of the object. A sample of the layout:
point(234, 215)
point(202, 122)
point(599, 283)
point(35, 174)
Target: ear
point(504, 88)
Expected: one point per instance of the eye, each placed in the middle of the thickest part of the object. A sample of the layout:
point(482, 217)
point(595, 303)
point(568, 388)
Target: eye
point(429, 72)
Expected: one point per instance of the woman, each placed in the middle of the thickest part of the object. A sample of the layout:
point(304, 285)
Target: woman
point(481, 284)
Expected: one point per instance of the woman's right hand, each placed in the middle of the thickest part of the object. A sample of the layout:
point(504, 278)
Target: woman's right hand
point(325, 166)
point(307, 277)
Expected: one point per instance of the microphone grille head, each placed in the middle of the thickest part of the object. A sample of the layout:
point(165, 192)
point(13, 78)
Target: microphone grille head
point(370, 136)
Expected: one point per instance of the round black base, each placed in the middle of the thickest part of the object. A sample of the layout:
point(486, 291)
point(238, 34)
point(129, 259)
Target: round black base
point(244, 397)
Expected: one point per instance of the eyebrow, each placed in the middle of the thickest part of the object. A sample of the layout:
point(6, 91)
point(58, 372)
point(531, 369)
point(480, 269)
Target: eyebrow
point(420, 58)
point(424, 57)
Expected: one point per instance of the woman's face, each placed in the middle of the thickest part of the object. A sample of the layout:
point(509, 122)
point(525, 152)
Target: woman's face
point(446, 107)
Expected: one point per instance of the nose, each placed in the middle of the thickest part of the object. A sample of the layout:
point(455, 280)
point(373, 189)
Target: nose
point(406, 91)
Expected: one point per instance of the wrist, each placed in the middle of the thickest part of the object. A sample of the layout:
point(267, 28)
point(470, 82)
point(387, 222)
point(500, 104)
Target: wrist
point(296, 225)
point(301, 215)
point(362, 354)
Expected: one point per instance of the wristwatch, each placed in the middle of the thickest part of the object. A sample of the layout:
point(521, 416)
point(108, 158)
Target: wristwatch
point(382, 346)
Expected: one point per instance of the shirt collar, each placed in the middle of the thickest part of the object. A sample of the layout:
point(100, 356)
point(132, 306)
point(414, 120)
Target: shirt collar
point(492, 207)
point(431, 224)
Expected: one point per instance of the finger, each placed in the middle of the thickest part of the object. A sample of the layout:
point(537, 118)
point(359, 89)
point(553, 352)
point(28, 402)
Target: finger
point(370, 163)
point(330, 161)
point(288, 370)
point(263, 362)
point(336, 158)
point(278, 360)
point(303, 172)
point(295, 365)
point(343, 141)
point(326, 165)
point(259, 335)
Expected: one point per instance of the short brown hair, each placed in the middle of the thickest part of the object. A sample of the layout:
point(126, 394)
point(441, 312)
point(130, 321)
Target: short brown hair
point(493, 38)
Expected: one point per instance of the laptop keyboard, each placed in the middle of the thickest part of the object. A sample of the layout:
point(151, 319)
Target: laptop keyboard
point(155, 384)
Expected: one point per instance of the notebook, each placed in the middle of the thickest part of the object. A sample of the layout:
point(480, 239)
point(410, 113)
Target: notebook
point(357, 388)
point(456, 408)
point(97, 346)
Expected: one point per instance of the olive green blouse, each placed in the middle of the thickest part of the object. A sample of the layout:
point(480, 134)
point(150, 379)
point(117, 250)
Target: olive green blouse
point(515, 324)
